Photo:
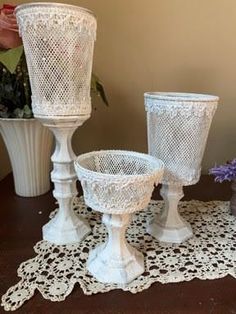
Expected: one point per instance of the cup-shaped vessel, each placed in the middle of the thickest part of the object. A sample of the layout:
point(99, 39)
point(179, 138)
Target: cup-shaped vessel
point(58, 42)
point(117, 183)
point(178, 126)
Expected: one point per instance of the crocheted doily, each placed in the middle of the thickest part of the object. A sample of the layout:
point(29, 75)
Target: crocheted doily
point(210, 254)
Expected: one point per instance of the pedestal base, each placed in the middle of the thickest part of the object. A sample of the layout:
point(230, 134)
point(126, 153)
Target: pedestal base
point(116, 261)
point(65, 231)
point(169, 226)
point(105, 268)
point(172, 235)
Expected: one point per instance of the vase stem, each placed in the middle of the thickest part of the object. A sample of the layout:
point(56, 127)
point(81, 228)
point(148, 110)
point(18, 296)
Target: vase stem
point(66, 227)
point(116, 261)
point(169, 226)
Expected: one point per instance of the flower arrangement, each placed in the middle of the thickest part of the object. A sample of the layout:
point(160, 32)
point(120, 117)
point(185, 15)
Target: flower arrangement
point(15, 92)
point(226, 172)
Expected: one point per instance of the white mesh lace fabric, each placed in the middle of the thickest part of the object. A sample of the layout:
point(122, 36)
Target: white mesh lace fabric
point(116, 181)
point(210, 254)
point(58, 41)
point(178, 126)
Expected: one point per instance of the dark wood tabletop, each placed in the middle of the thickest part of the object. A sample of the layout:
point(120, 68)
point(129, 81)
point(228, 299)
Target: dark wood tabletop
point(20, 229)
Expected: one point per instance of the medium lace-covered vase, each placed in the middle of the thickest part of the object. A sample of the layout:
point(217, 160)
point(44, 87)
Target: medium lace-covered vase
point(117, 184)
point(178, 126)
point(58, 42)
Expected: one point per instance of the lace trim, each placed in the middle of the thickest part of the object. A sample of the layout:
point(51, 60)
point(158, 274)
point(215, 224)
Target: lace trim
point(55, 108)
point(210, 254)
point(182, 108)
point(58, 17)
point(186, 178)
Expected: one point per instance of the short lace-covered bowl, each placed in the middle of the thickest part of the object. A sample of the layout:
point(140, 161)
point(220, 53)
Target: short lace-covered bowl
point(117, 183)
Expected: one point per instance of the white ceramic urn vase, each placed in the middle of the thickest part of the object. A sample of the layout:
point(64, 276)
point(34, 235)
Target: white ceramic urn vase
point(29, 146)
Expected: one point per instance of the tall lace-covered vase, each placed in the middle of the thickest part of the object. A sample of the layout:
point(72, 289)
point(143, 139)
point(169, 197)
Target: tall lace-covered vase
point(178, 126)
point(59, 41)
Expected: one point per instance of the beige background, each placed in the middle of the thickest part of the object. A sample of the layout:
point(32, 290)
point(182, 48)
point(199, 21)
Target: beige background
point(159, 45)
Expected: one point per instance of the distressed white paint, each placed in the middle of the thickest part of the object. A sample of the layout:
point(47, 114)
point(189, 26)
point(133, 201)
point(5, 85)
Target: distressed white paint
point(178, 127)
point(117, 184)
point(59, 42)
point(66, 227)
point(169, 226)
point(116, 261)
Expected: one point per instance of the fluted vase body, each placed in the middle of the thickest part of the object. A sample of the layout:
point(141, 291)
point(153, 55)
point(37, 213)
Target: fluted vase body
point(29, 146)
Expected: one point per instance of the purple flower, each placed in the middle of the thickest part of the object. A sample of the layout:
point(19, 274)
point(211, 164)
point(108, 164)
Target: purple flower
point(225, 172)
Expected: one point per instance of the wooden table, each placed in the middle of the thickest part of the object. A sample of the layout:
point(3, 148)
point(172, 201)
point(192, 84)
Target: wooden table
point(20, 229)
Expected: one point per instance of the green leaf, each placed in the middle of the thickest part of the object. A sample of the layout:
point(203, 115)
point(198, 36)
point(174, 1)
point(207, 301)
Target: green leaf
point(10, 58)
point(27, 112)
point(94, 79)
point(98, 89)
point(18, 113)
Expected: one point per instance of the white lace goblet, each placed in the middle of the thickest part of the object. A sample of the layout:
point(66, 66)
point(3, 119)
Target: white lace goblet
point(58, 42)
point(178, 126)
point(117, 183)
